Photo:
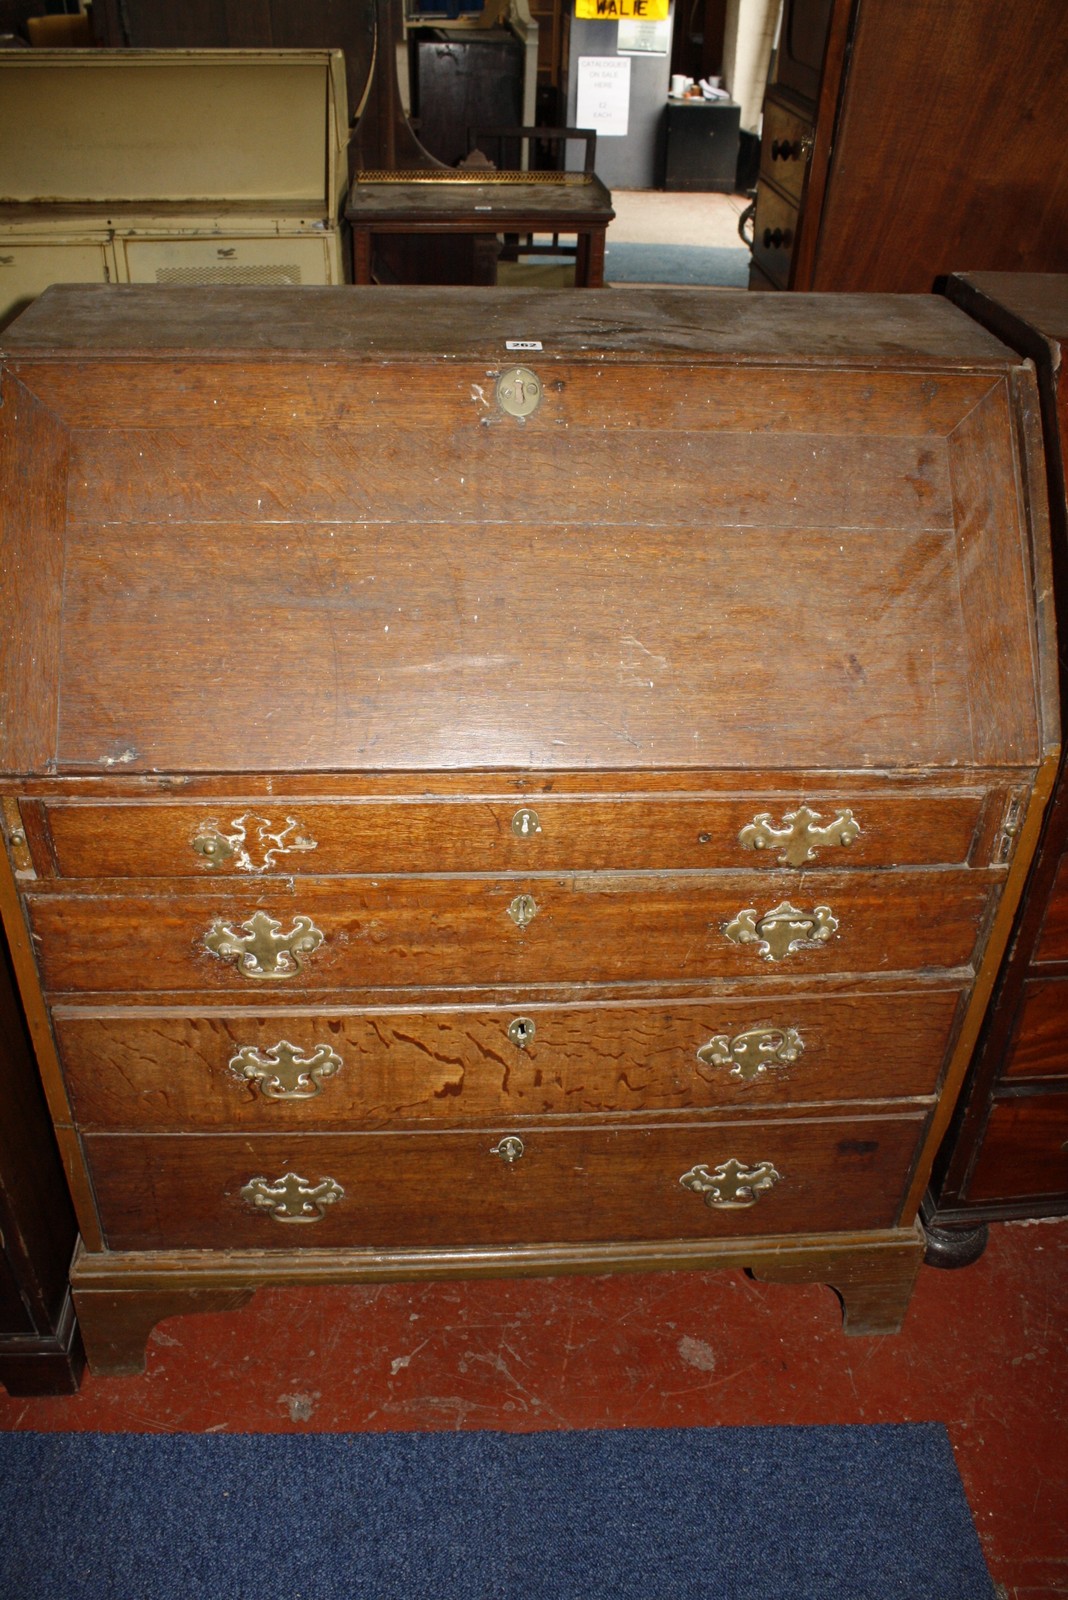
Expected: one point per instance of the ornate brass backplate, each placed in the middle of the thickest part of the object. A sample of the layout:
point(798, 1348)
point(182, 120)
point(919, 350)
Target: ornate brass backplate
point(750, 1054)
point(731, 1186)
point(523, 910)
point(262, 950)
point(800, 834)
point(284, 1072)
point(253, 843)
point(783, 929)
point(292, 1199)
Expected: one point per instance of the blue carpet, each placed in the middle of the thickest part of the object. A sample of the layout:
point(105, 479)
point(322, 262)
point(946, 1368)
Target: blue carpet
point(835, 1513)
point(716, 267)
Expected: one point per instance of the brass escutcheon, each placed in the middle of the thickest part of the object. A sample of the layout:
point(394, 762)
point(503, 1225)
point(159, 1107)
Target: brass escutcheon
point(518, 391)
point(783, 929)
point(751, 1053)
point(523, 910)
point(284, 1072)
point(262, 951)
point(800, 835)
point(730, 1186)
point(521, 1031)
point(292, 1199)
point(526, 822)
point(510, 1148)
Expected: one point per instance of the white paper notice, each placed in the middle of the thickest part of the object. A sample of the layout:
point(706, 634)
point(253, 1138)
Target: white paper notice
point(603, 94)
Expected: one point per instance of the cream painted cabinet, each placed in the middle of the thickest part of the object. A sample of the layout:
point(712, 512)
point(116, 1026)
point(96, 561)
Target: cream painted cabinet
point(170, 166)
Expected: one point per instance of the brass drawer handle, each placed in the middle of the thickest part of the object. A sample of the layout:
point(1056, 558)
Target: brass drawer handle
point(801, 833)
point(292, 1199)
point(523, 910)
point(731, 1186)
point(783, 929)
point(510, 1149)
point(750, 1054)
point(262, 951)
point(283, 1072)
point(253, 843)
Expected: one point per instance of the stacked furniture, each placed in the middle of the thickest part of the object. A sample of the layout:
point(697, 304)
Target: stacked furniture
point(493, 784)
point(903, 141)
point(1007, 1152)
point(170, 166)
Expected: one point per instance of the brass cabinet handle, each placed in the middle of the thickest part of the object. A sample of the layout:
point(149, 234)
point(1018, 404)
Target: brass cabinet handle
point(253, 843)
point(731, 1186)
point(261, 950)
point(782, 930)
point(801, 833)
point(283, 1072)
point(292, 1199)
point(751, 1053)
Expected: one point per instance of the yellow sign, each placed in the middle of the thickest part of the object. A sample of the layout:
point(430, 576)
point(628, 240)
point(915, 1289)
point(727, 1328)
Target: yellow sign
point(613, 10)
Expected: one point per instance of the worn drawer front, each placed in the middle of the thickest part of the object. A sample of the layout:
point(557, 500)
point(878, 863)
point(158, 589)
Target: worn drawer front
point(774, 234)
point(1024, 1151)
point(285, 257)
point(545, 833)
point(292, 1070)
point(785, 148)
point(1040, 1046)
point(442, 931)
point(1053, 941)
point(575, 1184)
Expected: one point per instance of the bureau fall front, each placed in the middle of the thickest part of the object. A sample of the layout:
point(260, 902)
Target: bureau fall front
point(497, 783)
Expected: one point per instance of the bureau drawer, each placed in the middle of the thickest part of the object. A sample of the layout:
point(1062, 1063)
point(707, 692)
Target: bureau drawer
point(774, 233)
point(394, 1068)
point(399, 932)
point(1053, 941)
point(785, 148)
point(1039, 1047)
point(1024, 1151)
point(573, 1184)
point(505, 833)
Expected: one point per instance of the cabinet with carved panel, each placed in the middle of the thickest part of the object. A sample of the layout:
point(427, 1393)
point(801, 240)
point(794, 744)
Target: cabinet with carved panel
point(486, 811)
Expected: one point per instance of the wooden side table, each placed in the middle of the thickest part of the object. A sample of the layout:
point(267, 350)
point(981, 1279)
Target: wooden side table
point(481, 208)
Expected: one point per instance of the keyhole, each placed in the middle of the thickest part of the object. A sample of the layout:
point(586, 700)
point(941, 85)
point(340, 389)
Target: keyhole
point(525, 822)
point(521, 1031)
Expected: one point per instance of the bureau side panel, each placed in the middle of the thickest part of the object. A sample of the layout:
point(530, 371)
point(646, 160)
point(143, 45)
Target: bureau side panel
point(33, 497)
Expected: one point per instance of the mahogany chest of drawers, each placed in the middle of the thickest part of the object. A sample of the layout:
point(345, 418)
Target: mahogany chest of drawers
point(1006, 1153)
point(499, 783)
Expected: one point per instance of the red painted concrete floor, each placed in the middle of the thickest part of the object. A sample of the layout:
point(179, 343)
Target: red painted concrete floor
point(982, 1350)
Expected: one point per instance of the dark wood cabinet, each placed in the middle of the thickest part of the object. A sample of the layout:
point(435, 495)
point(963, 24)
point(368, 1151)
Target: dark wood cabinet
point(922, 137)
point(1007, 1151)
point(437, 845)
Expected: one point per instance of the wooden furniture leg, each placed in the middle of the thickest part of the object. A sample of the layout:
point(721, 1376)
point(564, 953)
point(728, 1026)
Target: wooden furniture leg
point(874, 1288)
point(116, 1323)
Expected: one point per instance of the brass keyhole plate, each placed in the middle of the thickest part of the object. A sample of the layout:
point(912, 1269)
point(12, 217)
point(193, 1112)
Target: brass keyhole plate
point(519, 391)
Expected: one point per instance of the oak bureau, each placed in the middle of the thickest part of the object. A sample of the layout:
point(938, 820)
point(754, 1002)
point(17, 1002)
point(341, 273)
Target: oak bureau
point(506, 782)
